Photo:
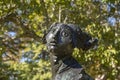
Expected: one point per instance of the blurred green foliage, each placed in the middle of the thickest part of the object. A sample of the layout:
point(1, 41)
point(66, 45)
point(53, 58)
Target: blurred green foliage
point(23, 23)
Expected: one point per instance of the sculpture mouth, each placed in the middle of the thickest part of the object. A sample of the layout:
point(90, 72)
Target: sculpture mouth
point(52, 45)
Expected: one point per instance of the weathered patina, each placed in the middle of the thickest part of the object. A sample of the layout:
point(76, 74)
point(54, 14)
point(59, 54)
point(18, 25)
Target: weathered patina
point(61, 39)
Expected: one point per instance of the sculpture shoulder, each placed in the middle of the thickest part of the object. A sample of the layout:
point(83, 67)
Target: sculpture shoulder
point(73, 74)
point(70, 69)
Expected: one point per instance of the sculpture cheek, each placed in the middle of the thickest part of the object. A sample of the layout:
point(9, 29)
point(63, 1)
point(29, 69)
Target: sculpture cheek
point(66, 40)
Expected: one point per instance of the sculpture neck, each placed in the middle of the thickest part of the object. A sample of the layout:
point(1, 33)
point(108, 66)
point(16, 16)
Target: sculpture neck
point(56, 63)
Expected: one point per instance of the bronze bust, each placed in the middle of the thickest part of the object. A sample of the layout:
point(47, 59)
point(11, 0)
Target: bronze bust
point(60, 40)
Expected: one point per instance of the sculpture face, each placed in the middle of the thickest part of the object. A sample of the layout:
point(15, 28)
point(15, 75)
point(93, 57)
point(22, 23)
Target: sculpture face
point(59, 40)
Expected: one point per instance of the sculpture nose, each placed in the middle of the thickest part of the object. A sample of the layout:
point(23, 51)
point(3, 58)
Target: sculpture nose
point(54, 33)
point(52, 36)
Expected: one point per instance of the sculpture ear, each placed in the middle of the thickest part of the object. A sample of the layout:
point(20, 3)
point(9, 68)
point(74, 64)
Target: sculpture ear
point(85, 41)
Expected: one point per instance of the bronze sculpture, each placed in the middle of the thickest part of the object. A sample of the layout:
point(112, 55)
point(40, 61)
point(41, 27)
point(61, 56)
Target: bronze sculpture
point(60, 40)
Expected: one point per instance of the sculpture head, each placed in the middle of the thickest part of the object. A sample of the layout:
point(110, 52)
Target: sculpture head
point(61, 39)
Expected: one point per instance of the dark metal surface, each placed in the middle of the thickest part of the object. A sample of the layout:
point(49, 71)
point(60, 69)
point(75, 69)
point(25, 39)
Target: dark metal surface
point(60, 40)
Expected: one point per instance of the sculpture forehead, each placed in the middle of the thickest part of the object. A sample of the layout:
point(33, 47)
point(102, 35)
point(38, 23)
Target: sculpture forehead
point(60, 27)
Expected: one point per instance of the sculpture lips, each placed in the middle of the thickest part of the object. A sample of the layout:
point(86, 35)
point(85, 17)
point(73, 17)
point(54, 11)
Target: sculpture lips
point(52, 44)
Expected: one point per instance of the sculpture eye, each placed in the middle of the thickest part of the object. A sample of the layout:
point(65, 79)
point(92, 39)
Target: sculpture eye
point(65, 34)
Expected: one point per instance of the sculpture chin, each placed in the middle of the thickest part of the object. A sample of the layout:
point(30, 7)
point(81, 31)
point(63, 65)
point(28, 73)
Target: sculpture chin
point(52, 48)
